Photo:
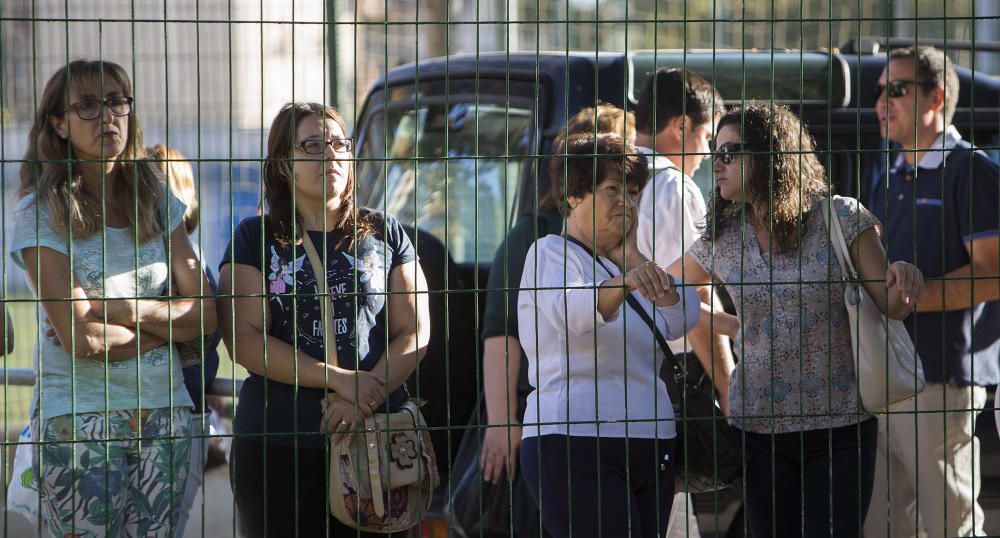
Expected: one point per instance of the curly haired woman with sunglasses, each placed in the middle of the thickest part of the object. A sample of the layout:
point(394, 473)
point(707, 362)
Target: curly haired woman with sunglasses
point(107, 256)
point(810, 445)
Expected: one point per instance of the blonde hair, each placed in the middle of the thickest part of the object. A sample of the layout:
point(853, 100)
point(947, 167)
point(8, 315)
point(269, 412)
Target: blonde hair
point(48, 169)
point(603, 118)
point(179, 176)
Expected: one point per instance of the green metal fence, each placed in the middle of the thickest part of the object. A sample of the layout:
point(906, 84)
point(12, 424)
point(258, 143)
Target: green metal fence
point(454, 108)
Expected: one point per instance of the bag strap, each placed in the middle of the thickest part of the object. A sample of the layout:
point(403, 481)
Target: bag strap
point(633, 303)
point(325, 301)
point(374, 474)
point(330, 346)
point(838, 242)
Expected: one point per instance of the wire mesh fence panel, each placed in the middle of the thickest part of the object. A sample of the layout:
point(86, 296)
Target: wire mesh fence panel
point(453, 268)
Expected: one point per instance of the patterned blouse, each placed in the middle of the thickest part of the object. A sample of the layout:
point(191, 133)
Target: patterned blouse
point(796, 370)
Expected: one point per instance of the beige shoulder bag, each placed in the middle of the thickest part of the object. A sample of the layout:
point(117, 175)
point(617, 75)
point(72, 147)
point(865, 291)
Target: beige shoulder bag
point(888, 369)
point(383, 480)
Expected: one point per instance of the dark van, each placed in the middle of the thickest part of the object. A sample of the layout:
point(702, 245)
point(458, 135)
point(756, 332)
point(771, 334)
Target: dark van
point(455, 148)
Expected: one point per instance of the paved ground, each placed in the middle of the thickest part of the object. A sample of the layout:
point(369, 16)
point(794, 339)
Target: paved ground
point(213, 513)
point(213, 509)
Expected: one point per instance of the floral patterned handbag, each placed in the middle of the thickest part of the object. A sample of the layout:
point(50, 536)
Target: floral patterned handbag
point(382, 481)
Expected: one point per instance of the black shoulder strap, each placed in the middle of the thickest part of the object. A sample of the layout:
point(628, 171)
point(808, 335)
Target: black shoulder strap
point(633, 303)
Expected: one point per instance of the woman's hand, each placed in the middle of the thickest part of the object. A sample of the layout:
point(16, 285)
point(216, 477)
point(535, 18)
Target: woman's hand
point(652, 282)
point(907, 279)
point(500, 446)
point(366, 389)
point(729, 324)
point(340, 418)
point(50, 333)
point(626, 253)
point(721, 322)
point(902, 281)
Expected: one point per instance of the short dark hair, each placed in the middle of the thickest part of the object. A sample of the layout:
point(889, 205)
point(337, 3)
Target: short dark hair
point(934, 70)
point(671, 92)
point(591, 159)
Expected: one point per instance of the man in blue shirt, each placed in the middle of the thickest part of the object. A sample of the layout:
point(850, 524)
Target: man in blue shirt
point(939, 204)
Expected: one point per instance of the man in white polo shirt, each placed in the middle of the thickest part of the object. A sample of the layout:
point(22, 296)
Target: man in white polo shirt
point(675, 120)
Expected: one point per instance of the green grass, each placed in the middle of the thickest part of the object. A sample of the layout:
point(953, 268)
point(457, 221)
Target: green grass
point(17, 399)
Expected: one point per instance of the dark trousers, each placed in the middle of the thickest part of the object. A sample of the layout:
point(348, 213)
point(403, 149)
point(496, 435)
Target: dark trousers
point(814, 483)
point(296, 502)
point(591, 486)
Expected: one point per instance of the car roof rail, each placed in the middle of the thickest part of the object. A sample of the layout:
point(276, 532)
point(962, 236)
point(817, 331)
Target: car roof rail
point(874, 44)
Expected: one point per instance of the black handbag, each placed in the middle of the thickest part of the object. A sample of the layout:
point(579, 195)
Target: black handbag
point(479, 508)
point(708, 449)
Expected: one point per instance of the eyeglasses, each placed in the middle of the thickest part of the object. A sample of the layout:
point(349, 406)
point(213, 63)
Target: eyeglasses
point(91, 109)
point(895, 88)
point(727, 153)
point(318, 147)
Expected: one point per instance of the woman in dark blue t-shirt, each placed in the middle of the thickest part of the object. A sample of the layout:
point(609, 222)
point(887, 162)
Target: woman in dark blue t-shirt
point(279, 457)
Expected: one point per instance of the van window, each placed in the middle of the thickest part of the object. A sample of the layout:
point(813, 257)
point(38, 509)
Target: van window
point(815, 79)
point(452, 171)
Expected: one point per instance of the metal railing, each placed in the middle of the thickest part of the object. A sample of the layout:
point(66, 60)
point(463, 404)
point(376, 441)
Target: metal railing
point(25, 377)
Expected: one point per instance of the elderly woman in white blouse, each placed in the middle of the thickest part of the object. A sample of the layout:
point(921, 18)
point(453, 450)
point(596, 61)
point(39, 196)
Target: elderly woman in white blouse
point(599, 428)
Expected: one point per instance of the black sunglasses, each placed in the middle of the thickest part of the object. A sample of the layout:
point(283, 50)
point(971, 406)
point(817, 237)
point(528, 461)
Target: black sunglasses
point(727, 153)
point(895, 88)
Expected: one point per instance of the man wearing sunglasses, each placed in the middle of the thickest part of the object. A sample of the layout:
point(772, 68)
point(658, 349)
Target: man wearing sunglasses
point(675, 119)
point(938, 203)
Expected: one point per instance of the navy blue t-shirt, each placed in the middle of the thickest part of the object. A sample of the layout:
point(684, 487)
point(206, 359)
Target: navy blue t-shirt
point(358, 281)
point(930, 216)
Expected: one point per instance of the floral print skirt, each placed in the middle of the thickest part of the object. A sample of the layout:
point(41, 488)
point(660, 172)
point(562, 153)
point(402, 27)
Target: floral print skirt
point(120, 473)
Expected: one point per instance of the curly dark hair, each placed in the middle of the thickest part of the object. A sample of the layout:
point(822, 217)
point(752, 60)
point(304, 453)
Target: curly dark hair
point(782, 179)
point(592, 159)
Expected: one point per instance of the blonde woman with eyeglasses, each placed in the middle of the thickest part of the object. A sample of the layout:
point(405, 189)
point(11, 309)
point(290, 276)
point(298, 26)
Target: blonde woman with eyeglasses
point(92, 232)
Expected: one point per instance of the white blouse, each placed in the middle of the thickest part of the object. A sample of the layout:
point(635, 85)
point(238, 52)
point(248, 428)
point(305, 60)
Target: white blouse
point(592, 376)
